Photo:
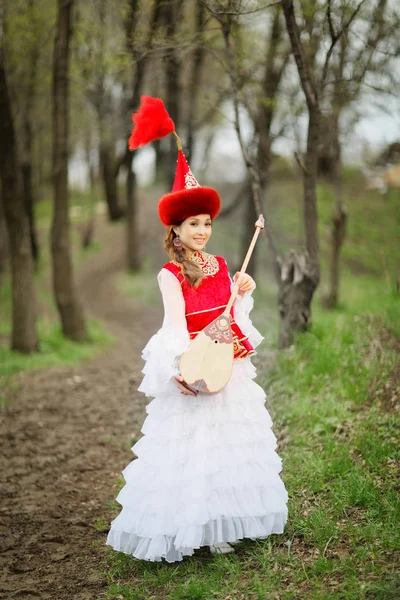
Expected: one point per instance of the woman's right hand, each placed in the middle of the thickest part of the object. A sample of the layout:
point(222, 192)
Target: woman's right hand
point(182, 386)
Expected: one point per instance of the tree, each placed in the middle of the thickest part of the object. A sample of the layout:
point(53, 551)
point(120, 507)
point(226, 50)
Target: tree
point(24, 336)
point(27, 53)
point(275, 61)
point(3, 239)
point(140, 58)
point(257, 161)
point(257, 155)
point(98, 64)
point(172, 16)
point(71, 314)
point(27, 158)
point(198, 61)
point(301, 272)
point(351, 64)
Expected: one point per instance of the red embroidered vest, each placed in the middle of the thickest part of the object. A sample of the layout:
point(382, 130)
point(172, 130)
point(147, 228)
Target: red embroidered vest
point(208, 301)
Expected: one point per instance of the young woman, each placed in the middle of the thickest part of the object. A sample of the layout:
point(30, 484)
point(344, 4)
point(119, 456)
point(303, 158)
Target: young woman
point(207, 472)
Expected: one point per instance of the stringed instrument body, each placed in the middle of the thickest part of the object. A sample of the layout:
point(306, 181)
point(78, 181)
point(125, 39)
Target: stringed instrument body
point(207, 364)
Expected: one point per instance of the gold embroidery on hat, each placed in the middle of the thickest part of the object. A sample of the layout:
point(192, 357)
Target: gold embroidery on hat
point(190, 180)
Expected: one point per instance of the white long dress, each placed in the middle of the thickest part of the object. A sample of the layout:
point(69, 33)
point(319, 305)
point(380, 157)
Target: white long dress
point(207, 469)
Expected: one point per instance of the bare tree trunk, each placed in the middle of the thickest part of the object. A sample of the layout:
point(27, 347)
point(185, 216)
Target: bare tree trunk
point(161, 163)
point(342, 97)
point(134, 262)
point(250, 217)
point(296, 290)
point(300, 273)
point(108, 171)
point(339, 222)
point(251, 165)
point(3, 238)
point(139, 66)
point(173, 87)
point(310, 191)
point(29, 204)
point(27, 155)
point(24, 336)
point(102, 101)
point(274, 68)
point(338, 234)
point(198, 59)
point(89, 227)
point(71, 314)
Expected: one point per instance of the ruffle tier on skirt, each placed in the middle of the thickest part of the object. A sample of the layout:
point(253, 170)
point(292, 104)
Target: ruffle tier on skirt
point(207, 471)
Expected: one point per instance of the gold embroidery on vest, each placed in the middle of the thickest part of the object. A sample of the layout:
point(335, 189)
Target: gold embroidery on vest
point(207, 262)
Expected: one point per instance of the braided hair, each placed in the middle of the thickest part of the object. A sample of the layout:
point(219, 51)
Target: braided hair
point(190, 270)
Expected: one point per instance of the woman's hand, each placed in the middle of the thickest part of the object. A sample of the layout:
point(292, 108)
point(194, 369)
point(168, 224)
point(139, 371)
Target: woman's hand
point(246, 284)
point(182, 386)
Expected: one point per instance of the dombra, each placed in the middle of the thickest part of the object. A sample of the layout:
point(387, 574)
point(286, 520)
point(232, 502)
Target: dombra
point(207, 364)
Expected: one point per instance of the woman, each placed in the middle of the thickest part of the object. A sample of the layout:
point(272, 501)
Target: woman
point(207, 473)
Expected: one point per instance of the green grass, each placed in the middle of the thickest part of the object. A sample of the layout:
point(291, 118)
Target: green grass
point(55, 349)
point(373, 224)
point(141, 286)
point(342, 448)
point(79, 203)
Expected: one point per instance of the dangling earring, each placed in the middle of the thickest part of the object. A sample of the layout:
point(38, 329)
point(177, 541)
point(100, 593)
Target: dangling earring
point(178, 243)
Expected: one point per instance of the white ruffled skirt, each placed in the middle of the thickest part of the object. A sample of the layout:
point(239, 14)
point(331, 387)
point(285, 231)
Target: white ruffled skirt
point(207, 472)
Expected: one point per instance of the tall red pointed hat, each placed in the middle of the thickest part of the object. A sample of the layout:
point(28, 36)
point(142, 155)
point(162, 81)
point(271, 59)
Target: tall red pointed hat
point(187, 198)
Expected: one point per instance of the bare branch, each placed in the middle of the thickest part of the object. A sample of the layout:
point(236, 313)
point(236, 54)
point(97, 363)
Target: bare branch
point(298, 53)
point(335, 37)
point(381, 90)
point(352, 16)
point(237, 200)
point(329, 14)
point(300, 162)
point(239, 13)
point(372, 43)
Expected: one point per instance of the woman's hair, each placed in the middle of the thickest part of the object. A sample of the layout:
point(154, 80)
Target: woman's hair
point(191, 270)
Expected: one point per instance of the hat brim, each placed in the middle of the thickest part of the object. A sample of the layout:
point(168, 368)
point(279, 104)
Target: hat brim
point(175, 207)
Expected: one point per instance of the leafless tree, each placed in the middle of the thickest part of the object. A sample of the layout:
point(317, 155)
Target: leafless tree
point(197, 65)
point(367, 56)
point(24, 336)
point(140, 58)
point(301, 272)
point(27, 147)
point(3, 239)
point(71, 313)
point(227, 14)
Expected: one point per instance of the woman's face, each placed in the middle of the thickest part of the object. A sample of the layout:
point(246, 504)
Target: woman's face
point(194, 232)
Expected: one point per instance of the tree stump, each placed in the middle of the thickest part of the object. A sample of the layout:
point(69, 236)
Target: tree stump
point(299, 280)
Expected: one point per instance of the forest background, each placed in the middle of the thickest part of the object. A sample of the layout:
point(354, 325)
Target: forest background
point(259, 77)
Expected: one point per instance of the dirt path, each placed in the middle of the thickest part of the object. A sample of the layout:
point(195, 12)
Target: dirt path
point(67, 436)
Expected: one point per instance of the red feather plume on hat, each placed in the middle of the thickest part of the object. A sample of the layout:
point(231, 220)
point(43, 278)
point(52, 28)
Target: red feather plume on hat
point(187, 198)
point(151, 122)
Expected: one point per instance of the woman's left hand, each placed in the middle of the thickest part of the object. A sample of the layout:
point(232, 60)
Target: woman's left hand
point(246, 284)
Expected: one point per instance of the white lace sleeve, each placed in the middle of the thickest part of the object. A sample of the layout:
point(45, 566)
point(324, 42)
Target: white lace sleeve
point(242, 308)
point(164, 349)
